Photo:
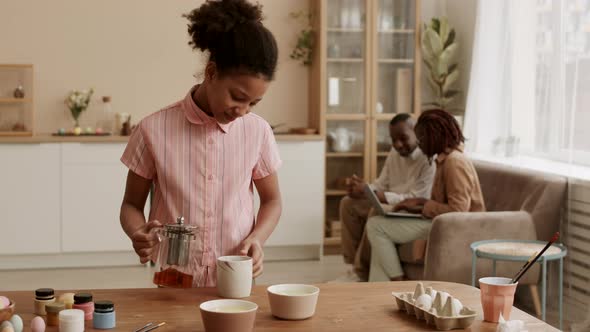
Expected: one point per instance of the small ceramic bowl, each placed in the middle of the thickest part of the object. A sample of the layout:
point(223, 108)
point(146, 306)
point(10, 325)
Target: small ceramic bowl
point(6, 313)
point(303, 131)
point(228, 315)
point(293, 301)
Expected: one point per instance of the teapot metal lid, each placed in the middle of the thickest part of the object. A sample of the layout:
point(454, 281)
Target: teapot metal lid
point(179, 229)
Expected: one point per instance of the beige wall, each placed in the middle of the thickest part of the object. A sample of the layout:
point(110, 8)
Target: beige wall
point(134, 50)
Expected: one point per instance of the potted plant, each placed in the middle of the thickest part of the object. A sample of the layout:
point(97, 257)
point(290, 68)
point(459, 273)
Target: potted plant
point(439, 50)
point(77, 102)
point(303, 50)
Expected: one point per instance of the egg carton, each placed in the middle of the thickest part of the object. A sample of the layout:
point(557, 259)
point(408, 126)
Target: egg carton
point(443, 323)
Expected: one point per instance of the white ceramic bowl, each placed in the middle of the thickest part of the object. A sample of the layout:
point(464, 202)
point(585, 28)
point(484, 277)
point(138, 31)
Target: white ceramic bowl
point(228, 315)
point(293, 301)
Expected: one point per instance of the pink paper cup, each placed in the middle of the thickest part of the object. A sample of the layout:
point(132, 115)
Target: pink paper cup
point(497, 296)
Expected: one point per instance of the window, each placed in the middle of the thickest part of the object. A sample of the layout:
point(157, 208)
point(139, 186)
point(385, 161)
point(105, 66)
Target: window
point(529, 90)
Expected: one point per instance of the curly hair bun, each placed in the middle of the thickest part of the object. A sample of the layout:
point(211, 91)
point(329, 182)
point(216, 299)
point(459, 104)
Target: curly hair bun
point(214, 19)
point(233, 33)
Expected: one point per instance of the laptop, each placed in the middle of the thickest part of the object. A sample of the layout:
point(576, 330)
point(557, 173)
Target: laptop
point(375, 201)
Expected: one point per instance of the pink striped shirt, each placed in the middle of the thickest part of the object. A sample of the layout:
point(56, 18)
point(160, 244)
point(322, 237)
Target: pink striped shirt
point(204, 171)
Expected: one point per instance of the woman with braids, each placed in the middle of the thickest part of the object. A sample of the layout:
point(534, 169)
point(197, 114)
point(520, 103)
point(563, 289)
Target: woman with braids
point(455, 189)
point(205, 153)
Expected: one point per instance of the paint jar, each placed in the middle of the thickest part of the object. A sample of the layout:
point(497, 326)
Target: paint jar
point(71, 320)
point(53, 310)
point(104, 315)
point(67, 299)
point(42, 297)
point(83, 301)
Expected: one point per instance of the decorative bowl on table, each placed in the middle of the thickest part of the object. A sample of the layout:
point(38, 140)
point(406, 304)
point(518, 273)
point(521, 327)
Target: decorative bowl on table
point(293, 301)
point(228, 315)
point(303, 131)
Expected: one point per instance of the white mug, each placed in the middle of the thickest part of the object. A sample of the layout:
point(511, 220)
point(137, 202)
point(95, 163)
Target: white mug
point(234, 276)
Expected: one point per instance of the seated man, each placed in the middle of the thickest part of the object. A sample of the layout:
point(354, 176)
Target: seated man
point(456, 188)
point(405, 174)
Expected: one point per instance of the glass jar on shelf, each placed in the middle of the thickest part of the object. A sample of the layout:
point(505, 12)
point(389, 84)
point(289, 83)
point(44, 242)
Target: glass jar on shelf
point(108, 116)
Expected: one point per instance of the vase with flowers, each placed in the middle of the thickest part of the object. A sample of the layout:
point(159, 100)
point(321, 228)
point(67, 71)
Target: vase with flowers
point(77, 102)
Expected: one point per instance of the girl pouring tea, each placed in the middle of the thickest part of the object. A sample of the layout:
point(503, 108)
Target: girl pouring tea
point(204, 154)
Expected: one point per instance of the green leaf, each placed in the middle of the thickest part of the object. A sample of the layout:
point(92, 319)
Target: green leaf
point(435, 24)
point(431, 44)
point(446, 101)
point(452, 68)
point(456, 111)
point(452, 93)
point(448, 55)
point(444, 29)
point(428, 63)
point(433, 85)
point(431, 104)
point(450, 79)
point(441, 69)
point(450, 39)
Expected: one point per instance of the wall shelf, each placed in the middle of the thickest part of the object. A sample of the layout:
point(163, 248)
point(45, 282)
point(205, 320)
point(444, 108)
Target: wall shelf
point(386, 78)
point(15, 133)
point(345, 60)
point(17, 112)
point(345, 30)
point(14, 100)
point(335, 192)
point(397, 31)
point(395, 61)
point(344, 154)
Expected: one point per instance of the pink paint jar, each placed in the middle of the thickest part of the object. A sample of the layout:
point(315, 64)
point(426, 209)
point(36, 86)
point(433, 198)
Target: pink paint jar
point(83, 301)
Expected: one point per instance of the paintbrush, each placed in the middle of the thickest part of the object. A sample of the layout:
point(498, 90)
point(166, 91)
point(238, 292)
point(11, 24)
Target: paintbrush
point(155, 327)
point(529, 264)
point(144, 327)
point(525, 264)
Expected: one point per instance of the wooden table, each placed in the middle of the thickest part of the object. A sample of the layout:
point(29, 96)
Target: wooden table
point(341, 307)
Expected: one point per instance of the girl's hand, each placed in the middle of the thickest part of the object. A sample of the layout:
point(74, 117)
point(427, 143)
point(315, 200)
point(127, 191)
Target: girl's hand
point(412, 205)
point(252, 247)
point(144, 240)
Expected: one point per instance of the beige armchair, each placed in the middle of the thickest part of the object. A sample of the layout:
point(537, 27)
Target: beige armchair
point(521, 205)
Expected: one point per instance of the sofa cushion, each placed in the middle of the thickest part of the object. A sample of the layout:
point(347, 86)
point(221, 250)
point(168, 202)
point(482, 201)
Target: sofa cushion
point(508, 188)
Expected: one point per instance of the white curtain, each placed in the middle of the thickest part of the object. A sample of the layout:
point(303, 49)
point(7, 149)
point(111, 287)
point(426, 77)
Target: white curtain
point(486, 111)
point(529, 80)
point(528, 105)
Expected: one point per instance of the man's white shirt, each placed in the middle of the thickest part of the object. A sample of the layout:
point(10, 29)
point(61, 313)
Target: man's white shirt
point(405, 177)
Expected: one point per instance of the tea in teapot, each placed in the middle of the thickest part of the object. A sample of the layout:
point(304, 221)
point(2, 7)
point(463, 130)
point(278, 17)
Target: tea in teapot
point(174, 255)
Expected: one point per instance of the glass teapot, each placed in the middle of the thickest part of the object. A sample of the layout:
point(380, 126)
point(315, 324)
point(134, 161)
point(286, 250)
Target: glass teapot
point(174, 254)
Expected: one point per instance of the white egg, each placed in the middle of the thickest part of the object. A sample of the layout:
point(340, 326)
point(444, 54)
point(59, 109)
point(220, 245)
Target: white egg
point(457, 307)
point(38, 324)
point(424, 301)
point(17, 323)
